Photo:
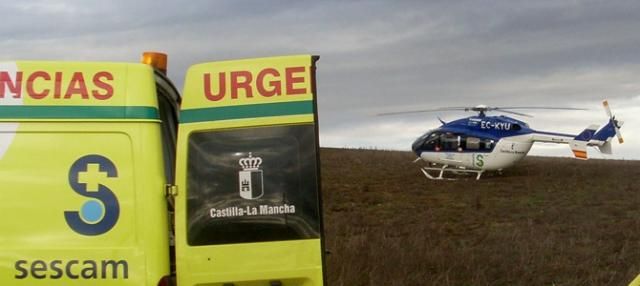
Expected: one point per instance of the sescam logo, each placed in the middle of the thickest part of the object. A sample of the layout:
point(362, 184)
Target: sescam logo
point(100, 213)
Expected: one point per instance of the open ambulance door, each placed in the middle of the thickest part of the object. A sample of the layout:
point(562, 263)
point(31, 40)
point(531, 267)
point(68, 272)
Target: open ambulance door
point(248, 209)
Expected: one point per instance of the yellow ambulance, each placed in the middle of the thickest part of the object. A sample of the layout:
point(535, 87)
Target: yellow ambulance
point(108, 176)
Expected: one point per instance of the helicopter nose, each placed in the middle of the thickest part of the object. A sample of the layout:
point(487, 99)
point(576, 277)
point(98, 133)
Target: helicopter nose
point(417, 145)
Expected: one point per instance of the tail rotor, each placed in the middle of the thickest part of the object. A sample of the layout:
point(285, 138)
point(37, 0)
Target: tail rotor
point(616, 124)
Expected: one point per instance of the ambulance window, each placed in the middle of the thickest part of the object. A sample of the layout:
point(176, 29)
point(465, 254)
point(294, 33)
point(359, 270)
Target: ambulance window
point(252, 185)
point(168, 100)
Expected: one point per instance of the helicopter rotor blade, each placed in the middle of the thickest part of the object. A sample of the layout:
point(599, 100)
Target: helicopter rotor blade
point(512, 112)
point(423, 110)
point(482, 109)
point(540, 108)
point(509, 109)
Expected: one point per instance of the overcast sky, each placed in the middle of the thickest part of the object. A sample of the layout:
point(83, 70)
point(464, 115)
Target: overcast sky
point(376, 56)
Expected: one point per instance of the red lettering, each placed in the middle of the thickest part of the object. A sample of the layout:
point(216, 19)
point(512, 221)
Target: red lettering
point(276, 85)
point(268, 83)
point(99, 80)
point(43, 80)
point(237, 84)
point(31, 82)
point(291, 80)
point(57, 87)
point(77, 86)
point(222, 87)
point(14, 86)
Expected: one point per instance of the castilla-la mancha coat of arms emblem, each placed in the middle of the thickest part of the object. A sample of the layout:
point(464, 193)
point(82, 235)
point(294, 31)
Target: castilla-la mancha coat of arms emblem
point(250, 178)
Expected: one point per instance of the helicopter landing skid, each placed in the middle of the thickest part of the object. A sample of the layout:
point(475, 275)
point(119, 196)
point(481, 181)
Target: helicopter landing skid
point(445, 168)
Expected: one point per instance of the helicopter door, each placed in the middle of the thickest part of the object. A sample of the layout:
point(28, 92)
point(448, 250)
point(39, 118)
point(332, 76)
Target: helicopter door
point(479, 149)
point(248, 203)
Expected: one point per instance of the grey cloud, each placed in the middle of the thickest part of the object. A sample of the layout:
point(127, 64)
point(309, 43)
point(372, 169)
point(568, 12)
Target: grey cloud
point(376, 56)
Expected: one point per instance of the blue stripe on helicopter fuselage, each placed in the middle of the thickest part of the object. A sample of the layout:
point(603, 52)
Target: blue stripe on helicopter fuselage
point(485, 133)
point(492, 127)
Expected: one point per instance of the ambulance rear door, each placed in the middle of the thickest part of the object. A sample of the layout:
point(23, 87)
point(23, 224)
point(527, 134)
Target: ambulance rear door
point(248, 209)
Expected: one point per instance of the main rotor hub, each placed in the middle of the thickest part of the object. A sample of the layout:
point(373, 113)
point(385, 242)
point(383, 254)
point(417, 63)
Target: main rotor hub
point(479, 108)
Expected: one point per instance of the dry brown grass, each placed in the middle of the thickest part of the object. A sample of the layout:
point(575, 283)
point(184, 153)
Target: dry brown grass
point(545, 221)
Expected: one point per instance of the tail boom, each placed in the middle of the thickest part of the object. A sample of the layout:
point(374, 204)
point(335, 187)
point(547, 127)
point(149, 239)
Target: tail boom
point(577, 143)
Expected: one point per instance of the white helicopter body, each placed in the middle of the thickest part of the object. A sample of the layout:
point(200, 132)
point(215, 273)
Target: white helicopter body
point(486, 143)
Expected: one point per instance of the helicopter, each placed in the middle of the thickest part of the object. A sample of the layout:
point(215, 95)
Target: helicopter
point(482, 143)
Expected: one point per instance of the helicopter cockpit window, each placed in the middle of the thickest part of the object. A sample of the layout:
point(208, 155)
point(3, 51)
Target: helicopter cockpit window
point(431, 141)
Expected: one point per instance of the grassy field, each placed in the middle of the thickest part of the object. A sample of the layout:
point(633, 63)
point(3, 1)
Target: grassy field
point(545, 221)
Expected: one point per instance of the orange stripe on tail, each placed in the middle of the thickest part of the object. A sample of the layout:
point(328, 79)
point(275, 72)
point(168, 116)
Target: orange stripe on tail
point(580, 154)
